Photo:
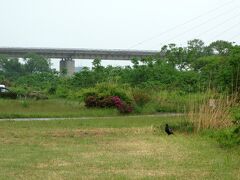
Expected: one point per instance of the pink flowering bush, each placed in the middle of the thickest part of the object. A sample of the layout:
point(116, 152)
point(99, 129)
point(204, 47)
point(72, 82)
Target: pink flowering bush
point(122, 106)
point(109, 101)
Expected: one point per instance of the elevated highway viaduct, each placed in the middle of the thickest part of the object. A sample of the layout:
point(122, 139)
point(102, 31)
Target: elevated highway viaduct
point(67, 56)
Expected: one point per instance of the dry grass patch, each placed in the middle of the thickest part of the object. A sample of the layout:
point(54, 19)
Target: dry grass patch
point(212, 112)
point(72, 150)
point(96, 132)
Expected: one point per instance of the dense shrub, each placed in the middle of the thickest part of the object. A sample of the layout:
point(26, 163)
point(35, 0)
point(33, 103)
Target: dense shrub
point(52, 90)
point(111, 89)
point(122, 106)
point(103, 90)
point(9, 95)
point(228, 137)
point(106, 102)
point(141, 97)
point(103, 102)
point(62, 92)
point(91, 101)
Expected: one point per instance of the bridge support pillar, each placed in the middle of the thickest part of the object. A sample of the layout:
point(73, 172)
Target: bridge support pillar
point(67, 67)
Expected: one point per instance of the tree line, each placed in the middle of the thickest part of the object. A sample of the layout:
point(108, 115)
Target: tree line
point(196, 67)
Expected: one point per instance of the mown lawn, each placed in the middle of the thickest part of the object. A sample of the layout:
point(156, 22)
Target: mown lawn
point(110, 148)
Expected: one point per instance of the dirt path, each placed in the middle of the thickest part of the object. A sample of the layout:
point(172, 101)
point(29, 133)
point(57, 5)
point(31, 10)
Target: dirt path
point(132, 116)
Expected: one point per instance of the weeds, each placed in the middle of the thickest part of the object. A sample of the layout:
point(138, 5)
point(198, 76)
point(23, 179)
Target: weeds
point(183, 126)
point(24, 104)
point(212, 113)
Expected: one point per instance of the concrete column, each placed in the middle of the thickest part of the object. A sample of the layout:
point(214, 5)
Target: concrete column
point(67, 66)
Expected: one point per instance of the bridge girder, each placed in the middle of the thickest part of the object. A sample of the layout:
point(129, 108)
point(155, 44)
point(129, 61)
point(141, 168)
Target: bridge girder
point(67, 55)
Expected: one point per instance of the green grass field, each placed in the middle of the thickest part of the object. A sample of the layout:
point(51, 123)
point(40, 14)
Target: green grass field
point(30, 108)
point(110, 148)
point(48, 108)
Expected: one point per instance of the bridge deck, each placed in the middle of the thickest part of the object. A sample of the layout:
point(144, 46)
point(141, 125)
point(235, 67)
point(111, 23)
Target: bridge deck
point(115, 54)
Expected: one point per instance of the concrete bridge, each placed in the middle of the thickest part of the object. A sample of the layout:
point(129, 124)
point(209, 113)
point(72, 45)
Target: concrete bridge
point(67, 56)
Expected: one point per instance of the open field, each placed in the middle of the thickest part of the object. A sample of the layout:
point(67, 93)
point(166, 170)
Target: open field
point(48, 108)
point(111, 148)
point(30, 108)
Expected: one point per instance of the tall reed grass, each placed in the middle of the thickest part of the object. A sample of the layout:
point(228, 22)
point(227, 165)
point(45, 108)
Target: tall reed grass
point(213, 112)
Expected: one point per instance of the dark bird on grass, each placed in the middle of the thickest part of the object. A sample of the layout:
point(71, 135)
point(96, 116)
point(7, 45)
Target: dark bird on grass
point(168, 130)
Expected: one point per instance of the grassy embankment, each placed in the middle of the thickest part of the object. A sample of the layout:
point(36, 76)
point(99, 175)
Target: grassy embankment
point(160, 102)
point(107, 148)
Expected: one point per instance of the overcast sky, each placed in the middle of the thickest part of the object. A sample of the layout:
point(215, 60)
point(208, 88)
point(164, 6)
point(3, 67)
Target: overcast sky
point(116, 24)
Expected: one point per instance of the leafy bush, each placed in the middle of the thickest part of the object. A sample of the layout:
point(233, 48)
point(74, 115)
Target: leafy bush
point(110, 89)
point(141, 97)
point(228, 137)
point(236, 116)
point(106, 102)
point(104, 90)
point(103, 102)
point(9, 95)
point(52, 90)
point(122, 106)
point(91, 101)
point(62, 92)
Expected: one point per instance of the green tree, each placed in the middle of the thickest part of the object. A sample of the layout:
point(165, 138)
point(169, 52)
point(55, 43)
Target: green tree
point(35, 63)
point(195, 50)
point(11, 68)
point(220, 47)
point(97, 64)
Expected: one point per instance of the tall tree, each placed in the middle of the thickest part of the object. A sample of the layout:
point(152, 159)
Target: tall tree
point(35, 63)
point(195, 49)
point(11, 68)
point(220, 47)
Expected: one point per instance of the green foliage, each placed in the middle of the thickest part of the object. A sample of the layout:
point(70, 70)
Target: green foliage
point(11, 68)
point(106, 90)
point(220, 47)
point(141, 97)
point(35, 64)
point(24, 104)
point(192, 69)
point(38, 81)
point(236, 115)
point(227, 137)
point(8, 95)
point(62, 92)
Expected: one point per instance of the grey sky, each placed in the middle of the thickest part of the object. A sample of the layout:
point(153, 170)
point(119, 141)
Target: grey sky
point(116, 24)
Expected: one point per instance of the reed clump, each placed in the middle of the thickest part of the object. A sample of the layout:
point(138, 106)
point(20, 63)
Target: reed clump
point(212, 112)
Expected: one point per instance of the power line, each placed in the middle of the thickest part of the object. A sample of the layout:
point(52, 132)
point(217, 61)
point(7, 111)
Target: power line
point(186, 22)
point(220, 24)
point(233, 37)
point(189, 30)
point(226, 30)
